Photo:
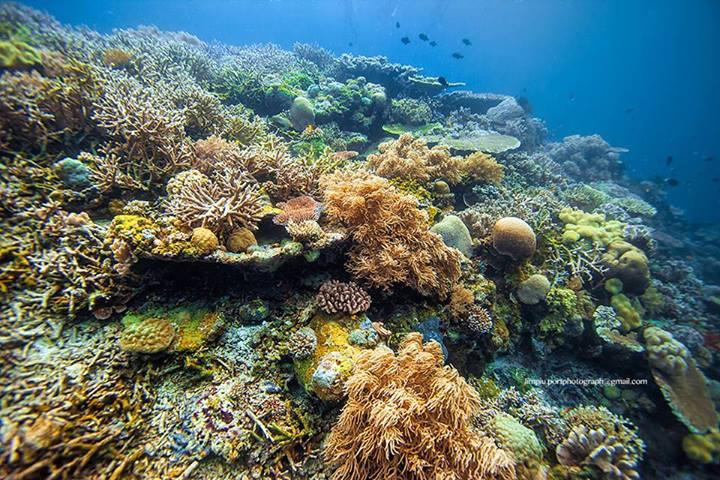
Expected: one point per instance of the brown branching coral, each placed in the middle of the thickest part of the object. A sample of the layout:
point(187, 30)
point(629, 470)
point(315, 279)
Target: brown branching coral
point(146, 136)
point(408, 417)
point(220, 206)
point(335, 297)
point(392, 243)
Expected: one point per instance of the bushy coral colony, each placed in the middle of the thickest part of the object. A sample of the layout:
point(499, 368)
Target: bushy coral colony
point(252, 263)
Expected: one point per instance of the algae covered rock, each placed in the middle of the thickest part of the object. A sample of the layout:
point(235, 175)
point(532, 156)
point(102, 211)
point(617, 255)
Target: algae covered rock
point(180, 329)
point(455, 234)
point(533, 290)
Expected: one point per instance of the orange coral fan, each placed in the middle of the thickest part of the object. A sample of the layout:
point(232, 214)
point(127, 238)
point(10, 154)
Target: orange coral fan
point(393, 245)
point(408, 417)
point(410, 158)
point(482, 167)
point(298, 209)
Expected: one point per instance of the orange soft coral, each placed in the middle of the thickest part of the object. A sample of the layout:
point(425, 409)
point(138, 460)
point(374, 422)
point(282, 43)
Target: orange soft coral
point(408, 417)
point(297, 210)
point(482, 167)
point(392, 243)
point(410, 158)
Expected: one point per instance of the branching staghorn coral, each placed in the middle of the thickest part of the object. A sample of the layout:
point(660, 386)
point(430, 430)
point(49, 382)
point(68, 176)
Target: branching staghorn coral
point(219, 205)
point(408, 417)
point(146, 138)
point(392, 243)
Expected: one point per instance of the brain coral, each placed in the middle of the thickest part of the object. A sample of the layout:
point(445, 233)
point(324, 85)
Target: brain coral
point(204, 240)
point(339, 297)
point(680, 380)
point(513, 237)
point(149, 336)
point(392, 244)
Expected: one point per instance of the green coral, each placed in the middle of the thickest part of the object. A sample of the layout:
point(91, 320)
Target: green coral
point(702, 448)
point(628, 312)
point(17, 55)
point(591, 226)
point(516, 438)
point(563, 316)
point(410, 111)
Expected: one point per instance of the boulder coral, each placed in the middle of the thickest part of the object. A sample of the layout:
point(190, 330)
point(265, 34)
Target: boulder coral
point(409, 417)
point(455, 234)
point(629, 264)
point(533, 290)
point(680, 380)
point(392, 243)
point(513, 237)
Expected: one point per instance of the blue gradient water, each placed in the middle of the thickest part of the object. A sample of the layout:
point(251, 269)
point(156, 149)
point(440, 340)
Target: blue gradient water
point(643, 74)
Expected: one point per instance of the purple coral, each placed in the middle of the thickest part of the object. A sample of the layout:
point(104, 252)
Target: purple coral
point(339, 297)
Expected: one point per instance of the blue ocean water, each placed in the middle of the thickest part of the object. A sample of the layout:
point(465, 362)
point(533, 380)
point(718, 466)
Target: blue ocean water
point(643, 74)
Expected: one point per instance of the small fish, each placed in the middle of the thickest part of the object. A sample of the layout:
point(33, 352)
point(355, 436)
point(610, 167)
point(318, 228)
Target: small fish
point(433, 43)
point(309, 130)
point(629, 110)
point(709, 158)
point(458, 55)
point(397, 24)
point(668, 160)
point(716, 179)
point(571, 97)
point(350, 44)
point(423, 37)
point(345, 155)
point(442, 81)
point(466, 42)
point(405, 40)
point(672, 182)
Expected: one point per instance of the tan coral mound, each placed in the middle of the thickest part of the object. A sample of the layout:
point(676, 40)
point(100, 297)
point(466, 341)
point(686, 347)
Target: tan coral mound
point(393, 245)
point(513, 237)
point(680, 380)
point(408, 417)
point(482, 167)
point(410, 158)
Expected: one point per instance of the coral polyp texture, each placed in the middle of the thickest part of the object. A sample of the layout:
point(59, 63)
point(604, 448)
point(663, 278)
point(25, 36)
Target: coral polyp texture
point(222, 261)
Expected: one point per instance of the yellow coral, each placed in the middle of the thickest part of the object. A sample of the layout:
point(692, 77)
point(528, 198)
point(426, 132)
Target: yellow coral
point(240, 240)
point(204, 240)
point(629, 316)
point(703, 448)
point(482, 167)
point(149, 336)
point(591, 226)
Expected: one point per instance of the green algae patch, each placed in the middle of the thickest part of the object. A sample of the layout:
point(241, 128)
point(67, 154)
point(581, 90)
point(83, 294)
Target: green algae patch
point(193, 328)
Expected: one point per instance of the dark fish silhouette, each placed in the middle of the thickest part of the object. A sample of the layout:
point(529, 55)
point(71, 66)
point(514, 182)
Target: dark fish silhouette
point(668, 160)
point(716, 179)
point(572, 97)
point(442, 81)
point(405, 40)
point(458, 55)
point(423, 37)
point(709, 158)
point(629, 110)
point(672, 182)
point(433, 43)
point(397, 24)
point(524, 103)
point(466, 42)
point(350, 44)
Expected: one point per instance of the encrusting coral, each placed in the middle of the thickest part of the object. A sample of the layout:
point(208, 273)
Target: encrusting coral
point(392, 244)
point(408, 417)
point(680, 380)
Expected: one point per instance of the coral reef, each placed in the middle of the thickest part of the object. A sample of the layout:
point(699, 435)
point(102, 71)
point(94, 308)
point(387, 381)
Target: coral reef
point(336, 297)
point(512, 237)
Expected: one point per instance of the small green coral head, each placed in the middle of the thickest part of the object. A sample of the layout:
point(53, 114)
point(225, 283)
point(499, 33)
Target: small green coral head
point(18, 55)
point(630, 318)
point(702, 448)
point(613, 286)
point(591, 226)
